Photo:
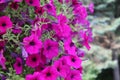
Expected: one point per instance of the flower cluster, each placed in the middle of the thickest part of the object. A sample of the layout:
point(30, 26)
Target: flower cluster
point(41, 40)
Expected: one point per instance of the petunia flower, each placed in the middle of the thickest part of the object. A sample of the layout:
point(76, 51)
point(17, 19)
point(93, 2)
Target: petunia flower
point(62, 31)
point(35, 3)
point(61, 69)
point(39, 10)
point(5, 23)
point(14, 5)
point(50, 8)
point(49, 73)
point(33, 60)
point(74, 61)
point(2, 60)
point(70, 47)
point(35, 76)
point(32, 44)
point(18, 65)
point(91, 7)
point(73, 75)
point(50, 49)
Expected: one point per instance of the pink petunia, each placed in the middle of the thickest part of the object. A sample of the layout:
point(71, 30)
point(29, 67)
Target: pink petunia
point(85, 39)
point(33, 60)
point(73, 75)
point(81, 12)
point(2, 60)
point(35, 76)
point(18, 65)
point(50, 49)
point(74, 61)
point(50, 8)
point(32, 44)
point(49, 73)
point(39, 10)
point(91, 7)
point(35, 3)
point(70, 47)
point(62, 31)
point(5, 23)
point(61, 69)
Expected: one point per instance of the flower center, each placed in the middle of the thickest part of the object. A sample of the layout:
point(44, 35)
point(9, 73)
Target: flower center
point(73, 60)
point(3, 24)
point(19, 64)
point(49, 47)
point(30, 1)
point(71, 44)
point(32, 43)
point(58, 69)
point(48, 74)
point(34, 59)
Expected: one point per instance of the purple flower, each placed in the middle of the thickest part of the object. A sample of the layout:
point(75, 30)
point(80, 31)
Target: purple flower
point(32, 44)
point(2, 60)
point(33, 60)
point(50, 48)
point(18, 65)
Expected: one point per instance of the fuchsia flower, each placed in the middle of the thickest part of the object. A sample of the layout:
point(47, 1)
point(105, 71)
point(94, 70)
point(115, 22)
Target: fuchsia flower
point(62, 19)
point(91, 7)
point(32, 44)
point(2, 60)
point(70, 47)
point(50, 49)
point(73, 61)
point(62, 31)
point(18, 65)
point(50, 9)
point(14, 5)
point(35, 76)
point(81, 12)
point(35, 3)
point(5, 23)
point(61, 69)
point(39, 10)
point(33, 60)
point(84, 39)
point(49, 73)
point(73, 75)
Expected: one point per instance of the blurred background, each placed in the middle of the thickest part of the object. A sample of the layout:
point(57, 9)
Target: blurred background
point(103, 60)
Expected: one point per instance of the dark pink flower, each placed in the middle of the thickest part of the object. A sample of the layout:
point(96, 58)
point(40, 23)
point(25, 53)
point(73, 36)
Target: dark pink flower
point(73, 75)
point(49, 73)
point(62, 31)
point(5, 23)
point(91, 7)
point(50, 8)
point(70, 47)
point(39, 10)
point(62, 19)
point(61, 69)
point(84, 39)
point(33, 60)
point(40, 68)
point(18, 65)
point(14, 5)
point(2, 60)
point(35, 3)
point(32, 44)
point(73, 61)
point(35, 76)
point(50, 49)
point(81, 12)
